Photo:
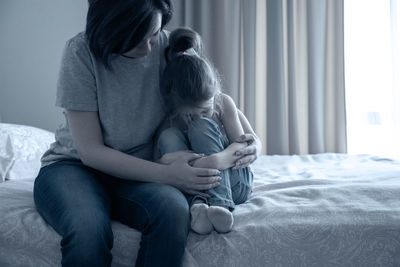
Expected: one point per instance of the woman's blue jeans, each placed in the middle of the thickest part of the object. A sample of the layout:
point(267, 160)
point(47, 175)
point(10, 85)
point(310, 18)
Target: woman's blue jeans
point(204, 137)
point(78, 202)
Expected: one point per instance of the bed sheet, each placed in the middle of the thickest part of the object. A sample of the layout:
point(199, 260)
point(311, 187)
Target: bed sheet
point(310, 210)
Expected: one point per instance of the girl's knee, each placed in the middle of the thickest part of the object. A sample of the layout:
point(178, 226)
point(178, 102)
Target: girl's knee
point(171, 134)
point(205, 133)
point(171, 140)
point(203, 125)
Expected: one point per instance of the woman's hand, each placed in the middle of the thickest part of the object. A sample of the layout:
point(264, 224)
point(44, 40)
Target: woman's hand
point(249, 153)
point(186, 178)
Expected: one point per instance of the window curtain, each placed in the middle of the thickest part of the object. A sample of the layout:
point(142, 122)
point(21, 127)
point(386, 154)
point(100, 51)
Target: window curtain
point(282, 62)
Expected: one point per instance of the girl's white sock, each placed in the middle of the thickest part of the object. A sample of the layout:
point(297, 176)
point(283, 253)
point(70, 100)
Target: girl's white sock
point(199, 221)
point(221, 218)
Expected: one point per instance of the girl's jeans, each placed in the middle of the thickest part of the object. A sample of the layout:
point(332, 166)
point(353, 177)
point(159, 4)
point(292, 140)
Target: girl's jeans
point(77, 201)
point(204, 137)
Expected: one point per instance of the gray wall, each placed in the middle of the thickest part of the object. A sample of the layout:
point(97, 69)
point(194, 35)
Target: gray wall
point(32, 36)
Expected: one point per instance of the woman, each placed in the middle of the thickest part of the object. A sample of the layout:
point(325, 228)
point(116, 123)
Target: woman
point(100, 164)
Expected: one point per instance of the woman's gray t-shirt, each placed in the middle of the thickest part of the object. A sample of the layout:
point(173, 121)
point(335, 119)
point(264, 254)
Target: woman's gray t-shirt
point(127, 99)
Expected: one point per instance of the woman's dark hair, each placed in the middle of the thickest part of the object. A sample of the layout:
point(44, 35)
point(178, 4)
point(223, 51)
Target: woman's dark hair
point(189, 78)
point(117, 26)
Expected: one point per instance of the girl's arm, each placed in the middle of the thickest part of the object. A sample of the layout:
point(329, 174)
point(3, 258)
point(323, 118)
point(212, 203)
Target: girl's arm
point(239, 154)
point(249, 153)
point(234, 129)
point(88, 140)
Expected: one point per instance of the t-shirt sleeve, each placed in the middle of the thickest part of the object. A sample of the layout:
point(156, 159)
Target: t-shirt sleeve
point(76, 86)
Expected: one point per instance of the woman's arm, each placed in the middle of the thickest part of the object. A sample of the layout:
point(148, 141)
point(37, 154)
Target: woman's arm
point(88, 140)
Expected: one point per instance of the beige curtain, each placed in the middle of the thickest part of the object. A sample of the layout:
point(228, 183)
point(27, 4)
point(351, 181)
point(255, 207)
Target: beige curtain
point(282, 62)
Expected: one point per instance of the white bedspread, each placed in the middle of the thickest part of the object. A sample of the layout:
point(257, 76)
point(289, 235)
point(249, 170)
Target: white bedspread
point(313, 210)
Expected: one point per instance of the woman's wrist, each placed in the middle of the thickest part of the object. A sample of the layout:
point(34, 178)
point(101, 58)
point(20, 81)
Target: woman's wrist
point(163, 173)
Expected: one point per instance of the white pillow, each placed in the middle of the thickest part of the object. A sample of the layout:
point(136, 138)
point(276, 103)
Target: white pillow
point(21, 148)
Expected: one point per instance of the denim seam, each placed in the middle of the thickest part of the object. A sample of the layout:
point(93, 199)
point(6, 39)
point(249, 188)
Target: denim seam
point(147, 213)
point(133, 201)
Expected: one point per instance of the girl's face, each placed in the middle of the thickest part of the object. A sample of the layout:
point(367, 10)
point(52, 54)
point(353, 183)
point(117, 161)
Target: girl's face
point(144, 47)
point(201, 110)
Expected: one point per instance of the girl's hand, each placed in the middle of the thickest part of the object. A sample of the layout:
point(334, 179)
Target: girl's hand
point(248, 154)
point(188, 179)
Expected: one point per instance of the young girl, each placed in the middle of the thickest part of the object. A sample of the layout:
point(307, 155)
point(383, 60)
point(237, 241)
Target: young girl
point(206, 121)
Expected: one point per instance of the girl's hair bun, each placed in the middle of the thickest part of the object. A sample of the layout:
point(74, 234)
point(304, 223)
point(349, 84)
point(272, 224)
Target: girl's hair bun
point(183, 39)
point(189, 78)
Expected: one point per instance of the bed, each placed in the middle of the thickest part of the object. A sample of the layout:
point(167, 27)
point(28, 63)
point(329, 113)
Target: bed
point(309, 210)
